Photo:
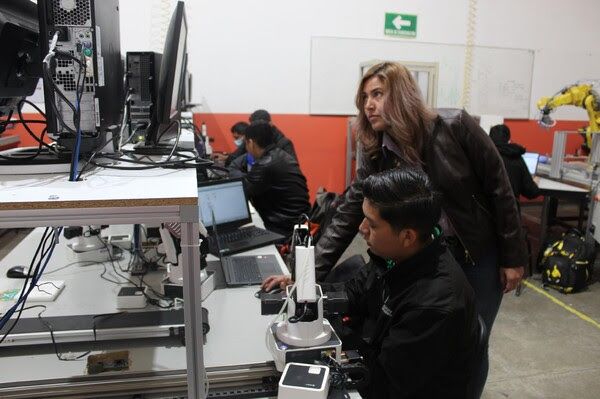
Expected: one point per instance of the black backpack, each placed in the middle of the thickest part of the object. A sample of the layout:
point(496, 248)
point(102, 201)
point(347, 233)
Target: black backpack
point(323, 211)
point(566, 264)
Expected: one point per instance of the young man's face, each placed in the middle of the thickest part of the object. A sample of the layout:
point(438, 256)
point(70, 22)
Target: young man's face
point(236, 135)
point(251, 147)
point(382, 239)
point(374, 96)
point(238, 139)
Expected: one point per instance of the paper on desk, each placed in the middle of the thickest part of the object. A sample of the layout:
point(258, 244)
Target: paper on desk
point(8, 297)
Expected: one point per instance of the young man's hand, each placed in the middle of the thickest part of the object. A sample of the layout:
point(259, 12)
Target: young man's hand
point(280, 281)
point(510, 277)
point(219, 157)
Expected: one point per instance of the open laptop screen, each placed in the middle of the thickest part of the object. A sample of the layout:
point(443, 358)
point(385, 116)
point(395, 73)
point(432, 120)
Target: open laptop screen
point(531, 160)
point(226, 199)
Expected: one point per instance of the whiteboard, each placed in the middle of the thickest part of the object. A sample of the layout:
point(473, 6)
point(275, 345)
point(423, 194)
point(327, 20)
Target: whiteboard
point(500, 83)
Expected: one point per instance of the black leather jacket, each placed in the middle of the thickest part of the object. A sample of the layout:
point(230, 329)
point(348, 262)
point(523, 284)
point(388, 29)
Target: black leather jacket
point(464, 165)
point(276, 187)
point(415, 324)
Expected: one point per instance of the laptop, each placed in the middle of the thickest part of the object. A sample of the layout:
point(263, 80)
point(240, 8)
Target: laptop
point(248, 270)
point(223, 208)
point(531, 160)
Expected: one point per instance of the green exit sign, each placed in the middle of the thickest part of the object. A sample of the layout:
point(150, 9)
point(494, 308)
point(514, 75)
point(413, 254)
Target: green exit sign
point(400, 24)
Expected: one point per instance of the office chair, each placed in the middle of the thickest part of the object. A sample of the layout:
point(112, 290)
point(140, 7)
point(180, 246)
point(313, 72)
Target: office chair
point(474, 391)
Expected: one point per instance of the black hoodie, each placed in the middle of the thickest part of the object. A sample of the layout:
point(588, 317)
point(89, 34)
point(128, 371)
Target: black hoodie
point(520, 179)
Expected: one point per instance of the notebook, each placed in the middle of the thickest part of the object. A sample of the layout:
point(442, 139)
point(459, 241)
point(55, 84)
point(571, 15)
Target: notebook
point(531, 160)
point(249, 270)
point(223, 208)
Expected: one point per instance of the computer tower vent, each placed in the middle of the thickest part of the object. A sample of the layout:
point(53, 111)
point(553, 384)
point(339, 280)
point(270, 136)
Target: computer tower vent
point(146, 75)
point(72, 12)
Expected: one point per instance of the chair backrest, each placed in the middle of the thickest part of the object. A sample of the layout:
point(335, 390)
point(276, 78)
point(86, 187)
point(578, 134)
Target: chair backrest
point(473, 390)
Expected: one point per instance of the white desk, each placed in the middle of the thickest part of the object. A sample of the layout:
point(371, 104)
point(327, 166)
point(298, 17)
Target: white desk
point(553, 185)
point(235, 339)
point(119, 197)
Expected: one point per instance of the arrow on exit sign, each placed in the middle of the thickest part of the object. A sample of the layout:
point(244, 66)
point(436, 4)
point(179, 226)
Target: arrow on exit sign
point(400, 25)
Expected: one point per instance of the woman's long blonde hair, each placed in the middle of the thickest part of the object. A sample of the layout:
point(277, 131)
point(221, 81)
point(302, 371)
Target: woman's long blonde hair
point(404, 110)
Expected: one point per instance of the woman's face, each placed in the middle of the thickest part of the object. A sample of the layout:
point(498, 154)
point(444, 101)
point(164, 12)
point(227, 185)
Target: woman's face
point(374, 96)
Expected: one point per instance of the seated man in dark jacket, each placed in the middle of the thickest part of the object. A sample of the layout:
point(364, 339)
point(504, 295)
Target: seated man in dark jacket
point(512, 154)
point(274, 183)
point(412, 311)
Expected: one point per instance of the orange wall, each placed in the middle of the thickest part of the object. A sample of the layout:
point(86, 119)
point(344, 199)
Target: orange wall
point(537, 139)
point(24, 137)
point(320, 141)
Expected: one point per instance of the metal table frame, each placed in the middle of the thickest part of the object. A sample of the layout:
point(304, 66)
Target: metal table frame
point(184, 210)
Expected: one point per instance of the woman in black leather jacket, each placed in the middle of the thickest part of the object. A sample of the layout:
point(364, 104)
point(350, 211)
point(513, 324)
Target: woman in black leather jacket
point(480, 216)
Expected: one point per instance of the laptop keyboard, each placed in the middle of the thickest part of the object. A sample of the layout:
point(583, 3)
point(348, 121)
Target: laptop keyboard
point(245, 233)
point(244, 269)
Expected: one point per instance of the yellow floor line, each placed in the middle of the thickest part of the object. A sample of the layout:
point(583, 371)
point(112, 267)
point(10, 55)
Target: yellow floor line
point(563, 305)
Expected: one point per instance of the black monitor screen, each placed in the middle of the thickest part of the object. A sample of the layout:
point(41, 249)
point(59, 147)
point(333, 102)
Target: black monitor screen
point(172, 71)
point(179, 73)
point(171, 66)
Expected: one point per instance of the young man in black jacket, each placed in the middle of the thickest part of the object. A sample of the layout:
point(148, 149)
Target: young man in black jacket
point(412, 311)
point(274, 183)
point(521, 180)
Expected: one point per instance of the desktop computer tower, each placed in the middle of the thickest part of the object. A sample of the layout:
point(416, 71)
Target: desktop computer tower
point(88, 30)
point(142, 72)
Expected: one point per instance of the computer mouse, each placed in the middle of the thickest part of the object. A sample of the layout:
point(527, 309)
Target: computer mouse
point(16, 272)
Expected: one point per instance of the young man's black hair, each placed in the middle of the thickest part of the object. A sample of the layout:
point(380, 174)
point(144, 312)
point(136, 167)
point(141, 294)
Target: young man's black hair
point(261, 132)
point(260, 115)
point(278, 137)
point(405, 198)
point(239, 128)
point(500, 134)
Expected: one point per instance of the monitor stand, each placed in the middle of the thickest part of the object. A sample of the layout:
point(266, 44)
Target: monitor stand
point(45, 163)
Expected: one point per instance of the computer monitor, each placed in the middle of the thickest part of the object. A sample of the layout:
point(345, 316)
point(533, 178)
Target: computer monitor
point(531, 160)
point(172, 72)
point(20, 63)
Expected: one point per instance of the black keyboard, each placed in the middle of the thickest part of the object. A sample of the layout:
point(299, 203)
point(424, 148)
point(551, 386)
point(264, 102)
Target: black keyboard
point(244, 269)
point(245, 233)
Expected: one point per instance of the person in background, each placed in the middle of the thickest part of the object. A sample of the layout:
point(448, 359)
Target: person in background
point(479, 212)
point(512, 154)
point(275, 183)
point(237, 131)
point(411, 309)
point(278, 137)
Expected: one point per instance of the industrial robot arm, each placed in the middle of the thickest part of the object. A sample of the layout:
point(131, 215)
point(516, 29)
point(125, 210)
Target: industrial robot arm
point(579, 95)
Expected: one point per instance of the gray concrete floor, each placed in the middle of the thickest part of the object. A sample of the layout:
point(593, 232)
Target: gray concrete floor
point(541, 346)
point(538, 348)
